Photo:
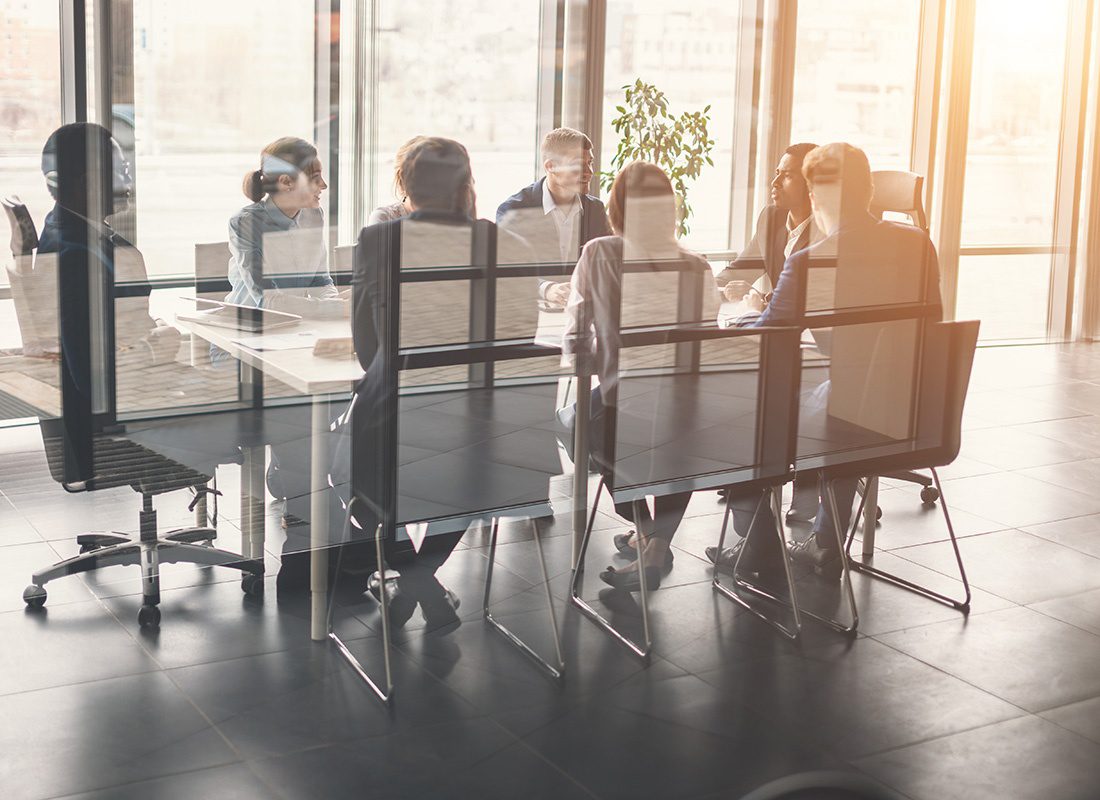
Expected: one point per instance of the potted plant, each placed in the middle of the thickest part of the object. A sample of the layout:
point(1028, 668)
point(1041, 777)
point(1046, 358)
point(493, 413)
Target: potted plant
point(678, 145)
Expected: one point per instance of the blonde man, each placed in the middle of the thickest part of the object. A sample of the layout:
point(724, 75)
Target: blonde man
point(555, 215)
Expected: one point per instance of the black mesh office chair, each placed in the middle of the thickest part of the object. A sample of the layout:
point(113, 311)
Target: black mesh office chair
point(87, 450)
point(117, 461)
point(900, 192)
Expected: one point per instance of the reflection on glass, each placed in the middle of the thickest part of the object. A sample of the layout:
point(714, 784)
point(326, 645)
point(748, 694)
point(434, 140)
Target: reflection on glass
point(1007, 293)
point(855, 74)
point(1015, 115)
point(690, 53)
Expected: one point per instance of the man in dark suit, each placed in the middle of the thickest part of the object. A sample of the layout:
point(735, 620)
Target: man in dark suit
point(785, 226)
point(873, 263)
point(555, 215)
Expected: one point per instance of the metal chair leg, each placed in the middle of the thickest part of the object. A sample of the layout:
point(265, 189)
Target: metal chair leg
point(791, 633)
point(961, 605)
point(643, 650)
point(557, 673)
point(387, 695)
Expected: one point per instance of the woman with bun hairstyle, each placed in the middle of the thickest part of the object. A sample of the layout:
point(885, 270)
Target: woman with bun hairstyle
point(404, 207)
point(278, 257)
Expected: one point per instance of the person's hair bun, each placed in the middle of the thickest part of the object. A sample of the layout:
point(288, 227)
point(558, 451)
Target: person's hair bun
point(253, 186)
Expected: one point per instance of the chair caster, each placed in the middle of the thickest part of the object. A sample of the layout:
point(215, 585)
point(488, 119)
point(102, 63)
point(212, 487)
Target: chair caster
point(34, 596)
point(878, 513)
point(929, 495)
point(149, 616)
point(252, 585)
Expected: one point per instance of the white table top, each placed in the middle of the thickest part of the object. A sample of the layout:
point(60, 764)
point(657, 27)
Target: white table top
point(297, 368)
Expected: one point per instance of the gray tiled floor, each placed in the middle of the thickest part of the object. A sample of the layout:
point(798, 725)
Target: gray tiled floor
point(231, 699)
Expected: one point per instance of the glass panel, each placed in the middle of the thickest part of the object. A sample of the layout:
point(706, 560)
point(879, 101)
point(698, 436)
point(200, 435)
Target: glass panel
point(1007, 293)
point(1015, 114)
point(855, 74)
point(249, 70)
point(30, 109)
point(690, 53)
point(479, 85)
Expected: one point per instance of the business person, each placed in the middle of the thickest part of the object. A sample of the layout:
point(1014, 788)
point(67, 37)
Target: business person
point(69, 239)
point(881, 263)
point(555, 216)
point(643, 217)
point(785, 226)
point(393, 211)
point(278, 257)
point(439, 187)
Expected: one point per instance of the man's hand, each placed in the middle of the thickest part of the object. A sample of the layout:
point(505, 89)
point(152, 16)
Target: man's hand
point(735, 290)
point(558, 294)
point(754, 301)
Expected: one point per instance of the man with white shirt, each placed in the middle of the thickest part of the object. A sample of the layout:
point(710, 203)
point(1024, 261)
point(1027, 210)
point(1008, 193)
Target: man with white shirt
point(555, 216)
point(785, 226)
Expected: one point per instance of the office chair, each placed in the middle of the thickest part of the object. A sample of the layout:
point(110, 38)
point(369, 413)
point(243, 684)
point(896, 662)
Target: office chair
point(33, 292)
point(117, 461)
point(86, 451)
point(902, 192)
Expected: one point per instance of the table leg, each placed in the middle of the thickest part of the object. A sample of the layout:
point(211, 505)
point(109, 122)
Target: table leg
point(253, 493)
point(870, 516)
point(318, 518)
point(580, 463)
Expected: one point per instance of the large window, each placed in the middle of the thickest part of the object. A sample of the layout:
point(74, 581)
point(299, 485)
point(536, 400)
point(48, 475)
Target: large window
point(213, 83)
point(1011, 167)
point(855, 73)
point(441, 74)
point(30, 108)
point(690, 53)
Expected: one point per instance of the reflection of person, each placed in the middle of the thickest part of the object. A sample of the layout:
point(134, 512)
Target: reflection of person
point(555, 215)
point(401, 209)
point(278, 255)
point(439, 187)
point(784, 226)
point(881, 263)
point(72, 160)
point(643, 216)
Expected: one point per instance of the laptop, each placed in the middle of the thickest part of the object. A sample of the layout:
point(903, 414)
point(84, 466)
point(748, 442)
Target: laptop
point(238, 317)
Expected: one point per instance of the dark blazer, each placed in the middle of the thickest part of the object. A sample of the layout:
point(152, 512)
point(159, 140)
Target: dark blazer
point(765, 253)
point(883, 263)
point(594, 222)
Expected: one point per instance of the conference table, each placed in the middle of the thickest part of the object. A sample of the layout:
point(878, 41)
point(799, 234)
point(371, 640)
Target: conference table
point(286, 354)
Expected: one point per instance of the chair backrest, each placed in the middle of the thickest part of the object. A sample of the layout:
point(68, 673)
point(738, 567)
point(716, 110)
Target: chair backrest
point(948, 357)
point(211, 264)
point(900, 192)
point(24, 237)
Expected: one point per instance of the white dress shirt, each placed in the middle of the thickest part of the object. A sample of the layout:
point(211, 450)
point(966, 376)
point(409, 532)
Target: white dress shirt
point(566, 221)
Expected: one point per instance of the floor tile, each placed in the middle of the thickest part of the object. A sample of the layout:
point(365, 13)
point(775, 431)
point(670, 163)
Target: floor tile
point(1014, 565)
point(1082, 610)
point(1019, 655)
point(1082, 718)
point(1026, 759)
point(231, 782)
point(70, 643)
point(96, 735)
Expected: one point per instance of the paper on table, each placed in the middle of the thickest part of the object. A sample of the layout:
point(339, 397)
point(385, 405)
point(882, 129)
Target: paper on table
point(279, 341)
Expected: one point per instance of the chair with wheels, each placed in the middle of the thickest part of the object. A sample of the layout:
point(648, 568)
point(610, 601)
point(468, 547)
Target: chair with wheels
point(86, 449)
point(900, 192)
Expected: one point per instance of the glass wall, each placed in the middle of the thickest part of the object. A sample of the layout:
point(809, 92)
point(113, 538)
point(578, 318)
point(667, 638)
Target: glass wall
point(213, 83)
point(476, 84)
point(855, 75)
point(1011, 166)
point(690, 53)
point(30, 108)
